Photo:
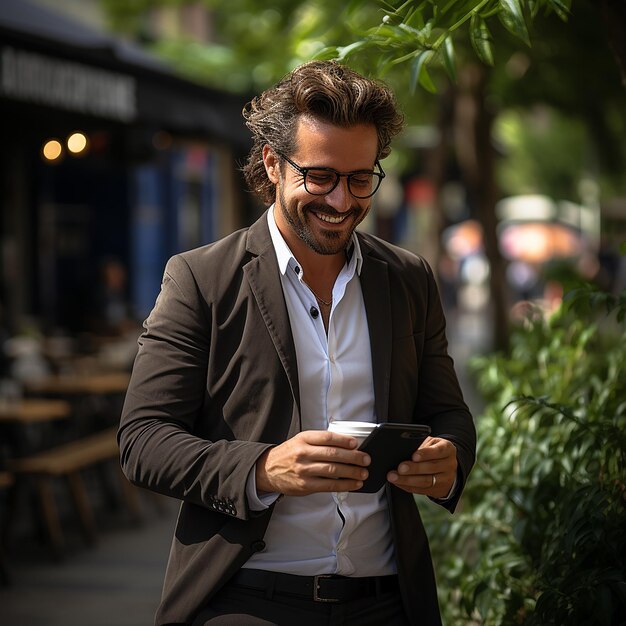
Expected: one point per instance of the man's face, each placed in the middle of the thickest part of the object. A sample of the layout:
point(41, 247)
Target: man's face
point(325, 223)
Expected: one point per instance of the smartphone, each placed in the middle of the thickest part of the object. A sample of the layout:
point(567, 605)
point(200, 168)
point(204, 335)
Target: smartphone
point(388, 445)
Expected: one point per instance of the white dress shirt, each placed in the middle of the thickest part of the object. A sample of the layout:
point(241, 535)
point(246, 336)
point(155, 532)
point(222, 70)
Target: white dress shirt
point(327, 533)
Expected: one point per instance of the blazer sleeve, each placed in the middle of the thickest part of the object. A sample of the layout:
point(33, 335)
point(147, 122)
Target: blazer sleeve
point(159, 447)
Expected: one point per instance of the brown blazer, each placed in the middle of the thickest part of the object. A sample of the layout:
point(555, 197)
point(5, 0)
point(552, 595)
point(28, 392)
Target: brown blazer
point(214, 385)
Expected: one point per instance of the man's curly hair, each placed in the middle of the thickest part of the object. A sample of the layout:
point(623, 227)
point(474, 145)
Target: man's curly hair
point(325, 90)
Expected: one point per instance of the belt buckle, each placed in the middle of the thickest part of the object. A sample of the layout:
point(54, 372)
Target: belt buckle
point(316, 588)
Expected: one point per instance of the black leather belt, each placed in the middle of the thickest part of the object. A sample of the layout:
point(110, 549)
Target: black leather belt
point(322, 588)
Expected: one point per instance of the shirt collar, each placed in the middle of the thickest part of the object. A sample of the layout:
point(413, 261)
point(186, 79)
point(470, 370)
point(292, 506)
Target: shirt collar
point(285, 256)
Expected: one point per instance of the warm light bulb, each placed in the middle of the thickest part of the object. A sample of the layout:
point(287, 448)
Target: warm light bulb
point(76, 143)
point(52, 150)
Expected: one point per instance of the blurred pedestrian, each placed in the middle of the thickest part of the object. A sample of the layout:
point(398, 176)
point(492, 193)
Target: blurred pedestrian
point(256, 342)
point(113, 313)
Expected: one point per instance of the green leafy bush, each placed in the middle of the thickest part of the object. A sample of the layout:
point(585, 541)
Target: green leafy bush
point(541, 538)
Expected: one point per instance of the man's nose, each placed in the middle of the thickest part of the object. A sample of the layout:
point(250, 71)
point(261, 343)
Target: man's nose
point(340, 197)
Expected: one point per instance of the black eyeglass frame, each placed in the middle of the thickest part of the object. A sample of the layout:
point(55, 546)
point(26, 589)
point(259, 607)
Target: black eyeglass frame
point(338, 175)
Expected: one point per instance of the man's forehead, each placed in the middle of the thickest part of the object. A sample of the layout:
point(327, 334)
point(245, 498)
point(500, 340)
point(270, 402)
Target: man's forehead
point(320, 139)
point(313, 124)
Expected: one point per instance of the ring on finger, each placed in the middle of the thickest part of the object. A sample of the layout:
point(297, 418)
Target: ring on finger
point(434, 481)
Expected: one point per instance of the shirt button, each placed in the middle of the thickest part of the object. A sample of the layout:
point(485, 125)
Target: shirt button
point(258, 545)
point(296, 269)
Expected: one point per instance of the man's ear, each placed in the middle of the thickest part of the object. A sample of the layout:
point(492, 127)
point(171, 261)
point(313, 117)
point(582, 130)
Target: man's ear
point(272, 165)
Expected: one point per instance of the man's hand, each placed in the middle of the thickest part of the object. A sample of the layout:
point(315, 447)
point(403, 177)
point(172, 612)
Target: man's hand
point(311, 462)
point(431, 470)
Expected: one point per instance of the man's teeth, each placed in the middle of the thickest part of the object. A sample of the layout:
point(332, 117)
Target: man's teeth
point(331, 220)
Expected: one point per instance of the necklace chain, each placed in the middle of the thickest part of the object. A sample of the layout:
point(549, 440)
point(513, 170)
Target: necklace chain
point(319, 300)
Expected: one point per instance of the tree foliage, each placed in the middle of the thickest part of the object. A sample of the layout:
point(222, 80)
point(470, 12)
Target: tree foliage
point(253, 43)
point(426, 34)
point(542, 528)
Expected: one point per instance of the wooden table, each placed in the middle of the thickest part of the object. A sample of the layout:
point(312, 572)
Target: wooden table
point(68, 461)
point(40, 454)
point(32, 411)
point(82, 384)
point(27, 424)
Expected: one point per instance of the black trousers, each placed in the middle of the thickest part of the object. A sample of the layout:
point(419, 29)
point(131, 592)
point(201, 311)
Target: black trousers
point(238, 605)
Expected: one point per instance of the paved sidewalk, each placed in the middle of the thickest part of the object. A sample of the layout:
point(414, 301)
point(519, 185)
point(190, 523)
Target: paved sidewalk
point(115, 583)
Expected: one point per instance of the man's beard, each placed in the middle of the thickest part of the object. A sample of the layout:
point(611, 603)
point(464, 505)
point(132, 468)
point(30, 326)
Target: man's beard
point(333, 242)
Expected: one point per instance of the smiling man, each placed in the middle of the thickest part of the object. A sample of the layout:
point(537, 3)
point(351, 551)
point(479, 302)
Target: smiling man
point(256, 342)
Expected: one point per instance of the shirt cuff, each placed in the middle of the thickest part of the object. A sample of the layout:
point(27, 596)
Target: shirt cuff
point(255, 501)
point(452, 489)
point(451, 493)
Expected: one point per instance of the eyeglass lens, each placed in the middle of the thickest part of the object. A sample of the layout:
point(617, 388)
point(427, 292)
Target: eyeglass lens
point(360, 184)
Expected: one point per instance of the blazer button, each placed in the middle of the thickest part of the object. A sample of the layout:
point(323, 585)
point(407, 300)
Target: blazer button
point(258, 546)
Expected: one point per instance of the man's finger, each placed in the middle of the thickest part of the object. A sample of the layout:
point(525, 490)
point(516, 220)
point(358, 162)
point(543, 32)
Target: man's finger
point(328, 438)
point(434, 449)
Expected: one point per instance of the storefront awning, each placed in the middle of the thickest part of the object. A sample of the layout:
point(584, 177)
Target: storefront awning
point(51, 60)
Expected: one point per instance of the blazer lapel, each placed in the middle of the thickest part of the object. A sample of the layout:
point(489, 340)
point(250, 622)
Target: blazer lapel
point(263, 277)
point(376, 296)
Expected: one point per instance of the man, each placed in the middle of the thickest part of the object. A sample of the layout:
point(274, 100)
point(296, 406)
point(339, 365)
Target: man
point(256, 342)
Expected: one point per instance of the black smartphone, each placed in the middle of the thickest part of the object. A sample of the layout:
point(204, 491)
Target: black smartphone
point(388, 445)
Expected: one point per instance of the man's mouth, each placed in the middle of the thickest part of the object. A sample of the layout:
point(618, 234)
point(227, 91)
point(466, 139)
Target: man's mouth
point(331, 219)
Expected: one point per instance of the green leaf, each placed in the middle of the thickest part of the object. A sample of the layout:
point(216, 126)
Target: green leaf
point(449, 59)
point(382, 30)
point(534, 7)
point(481, 39)
point(512, 17)
point(415, 18)
point(327, 54)
point(344, 51)
point(560, 8)
point(417, 69)
point(398, 10)
point(410, 30)
point(405, 57)
point(426, 81)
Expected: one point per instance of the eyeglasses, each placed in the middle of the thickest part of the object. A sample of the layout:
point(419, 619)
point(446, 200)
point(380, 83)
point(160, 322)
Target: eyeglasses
point(320, 181)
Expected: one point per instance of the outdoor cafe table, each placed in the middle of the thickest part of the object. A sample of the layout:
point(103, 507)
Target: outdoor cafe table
point(32, 411)
point(37, 455)
point(82, 384)
point(95, 396)
point(25, 423)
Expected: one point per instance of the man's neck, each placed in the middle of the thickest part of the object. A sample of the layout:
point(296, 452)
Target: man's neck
point(320, 270)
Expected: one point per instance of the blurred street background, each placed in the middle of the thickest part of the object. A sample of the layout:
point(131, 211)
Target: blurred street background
point(121, 145)
point(118, 581)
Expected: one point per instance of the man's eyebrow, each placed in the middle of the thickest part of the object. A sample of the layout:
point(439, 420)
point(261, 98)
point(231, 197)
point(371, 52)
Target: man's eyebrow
point(332, 169)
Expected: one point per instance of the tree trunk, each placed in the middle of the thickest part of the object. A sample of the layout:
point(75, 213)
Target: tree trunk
point(437, 159)
point(476, 157)
point(614, 16)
